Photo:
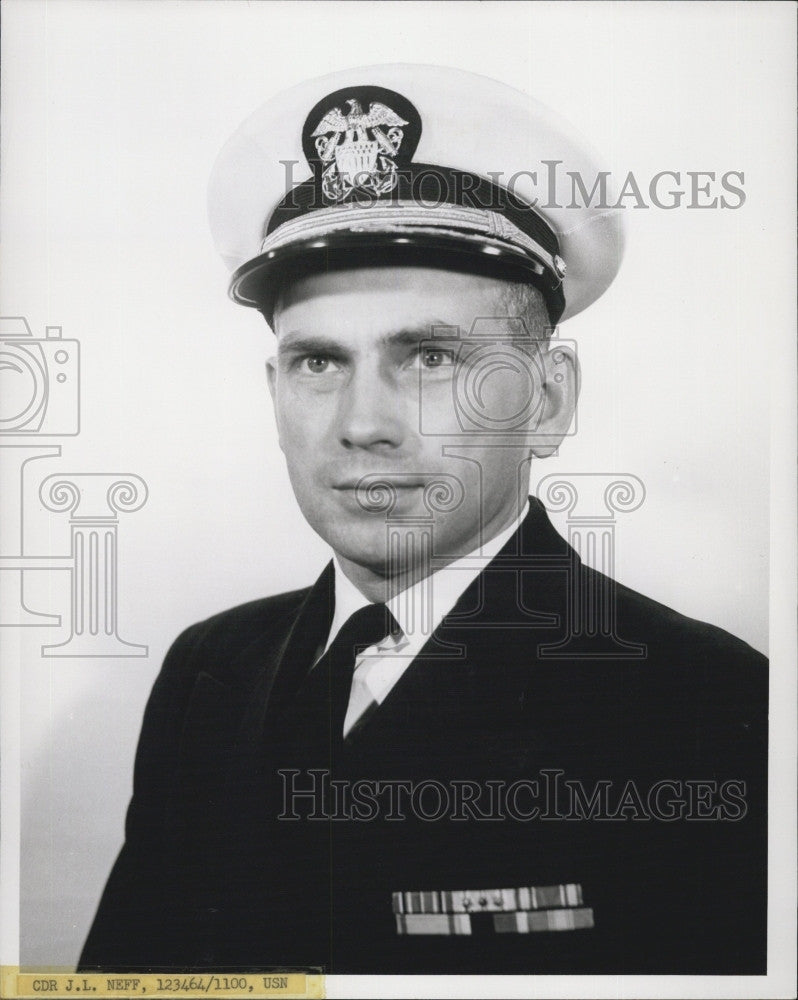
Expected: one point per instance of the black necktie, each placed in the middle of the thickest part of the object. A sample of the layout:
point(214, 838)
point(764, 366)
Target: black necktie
point(330, 681)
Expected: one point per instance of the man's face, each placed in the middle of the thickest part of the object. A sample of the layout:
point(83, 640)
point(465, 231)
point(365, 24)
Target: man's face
point(360, 391)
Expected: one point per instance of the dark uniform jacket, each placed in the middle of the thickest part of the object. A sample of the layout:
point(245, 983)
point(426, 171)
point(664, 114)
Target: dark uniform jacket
point(638, 735)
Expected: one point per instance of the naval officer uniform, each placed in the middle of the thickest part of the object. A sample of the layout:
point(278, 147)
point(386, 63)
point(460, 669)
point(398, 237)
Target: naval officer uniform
point(233, 858)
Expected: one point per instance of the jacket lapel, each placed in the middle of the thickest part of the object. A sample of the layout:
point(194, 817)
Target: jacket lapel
point(229, 700)
point(282, 664)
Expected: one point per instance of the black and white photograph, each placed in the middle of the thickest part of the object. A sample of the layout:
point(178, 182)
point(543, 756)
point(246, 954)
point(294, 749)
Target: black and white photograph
point(398, 544)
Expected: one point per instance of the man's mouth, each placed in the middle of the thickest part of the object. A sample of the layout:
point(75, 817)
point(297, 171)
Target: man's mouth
point(373, 481)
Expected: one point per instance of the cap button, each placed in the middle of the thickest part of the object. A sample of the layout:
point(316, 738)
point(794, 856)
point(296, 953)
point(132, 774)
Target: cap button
point(559, 266)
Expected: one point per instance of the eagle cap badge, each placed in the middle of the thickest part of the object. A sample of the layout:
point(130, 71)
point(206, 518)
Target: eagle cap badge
point(356, 138)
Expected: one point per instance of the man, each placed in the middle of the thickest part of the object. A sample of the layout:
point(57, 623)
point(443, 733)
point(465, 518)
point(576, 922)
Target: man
point(460, 730)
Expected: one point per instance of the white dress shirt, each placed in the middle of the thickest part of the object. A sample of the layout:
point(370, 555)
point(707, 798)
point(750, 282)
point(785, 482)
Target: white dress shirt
point(418, 610)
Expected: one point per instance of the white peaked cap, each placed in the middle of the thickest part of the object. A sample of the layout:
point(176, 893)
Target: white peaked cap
point(474, 170)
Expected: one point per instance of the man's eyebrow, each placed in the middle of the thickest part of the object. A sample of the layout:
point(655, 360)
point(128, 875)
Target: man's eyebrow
point(434, 330)
point(298, 342)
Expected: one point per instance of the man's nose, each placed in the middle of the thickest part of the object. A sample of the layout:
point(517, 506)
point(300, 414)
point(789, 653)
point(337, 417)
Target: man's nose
point(369, 412)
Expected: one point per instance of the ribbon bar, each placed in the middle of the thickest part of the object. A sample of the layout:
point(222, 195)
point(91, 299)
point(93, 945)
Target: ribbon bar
point(488, 900)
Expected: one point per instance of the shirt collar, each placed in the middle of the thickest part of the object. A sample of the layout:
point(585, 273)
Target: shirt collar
point(416, 614)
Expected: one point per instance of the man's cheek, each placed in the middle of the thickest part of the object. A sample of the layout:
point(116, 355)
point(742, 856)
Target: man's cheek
point(435, 412)
point(293, 422)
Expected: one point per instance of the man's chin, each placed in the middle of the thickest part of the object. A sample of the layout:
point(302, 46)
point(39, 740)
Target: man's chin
point(386, 543)
point(367, 549)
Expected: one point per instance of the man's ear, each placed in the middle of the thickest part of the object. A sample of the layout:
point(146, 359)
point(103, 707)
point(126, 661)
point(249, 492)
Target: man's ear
point(560, 392)
point(271, 379)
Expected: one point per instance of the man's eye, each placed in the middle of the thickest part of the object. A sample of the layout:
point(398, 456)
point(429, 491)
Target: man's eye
point(317, 364)
point(436, 357)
